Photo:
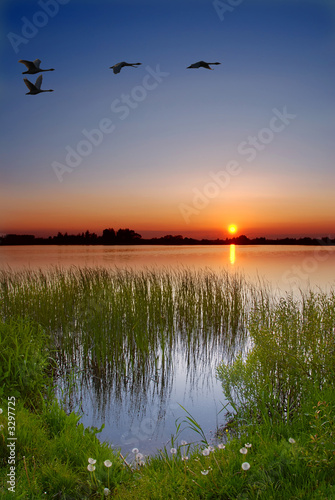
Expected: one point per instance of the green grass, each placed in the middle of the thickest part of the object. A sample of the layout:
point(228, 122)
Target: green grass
point(24, 359)
point(103, 321)
point(293, 354)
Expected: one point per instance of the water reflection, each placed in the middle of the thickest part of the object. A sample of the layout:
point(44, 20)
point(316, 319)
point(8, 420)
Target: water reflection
point(141, 343)
point(139, 406)
point(284, 266)
point(232, 254)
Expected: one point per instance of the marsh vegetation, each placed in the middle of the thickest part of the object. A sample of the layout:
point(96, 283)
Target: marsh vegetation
point(121, 327)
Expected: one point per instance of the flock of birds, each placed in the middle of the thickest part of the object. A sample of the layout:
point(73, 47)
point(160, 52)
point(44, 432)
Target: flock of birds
point(33, 67)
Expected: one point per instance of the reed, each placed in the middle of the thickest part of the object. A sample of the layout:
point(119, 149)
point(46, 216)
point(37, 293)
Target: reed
point(113, 327)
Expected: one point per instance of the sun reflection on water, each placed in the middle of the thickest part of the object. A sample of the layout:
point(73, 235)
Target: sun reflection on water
point(232, 256)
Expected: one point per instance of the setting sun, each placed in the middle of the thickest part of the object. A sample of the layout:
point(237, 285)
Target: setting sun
point(232, 228)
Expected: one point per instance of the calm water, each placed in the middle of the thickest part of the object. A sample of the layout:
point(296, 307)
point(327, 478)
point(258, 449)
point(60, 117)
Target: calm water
point(283, 266)
point(145, 417)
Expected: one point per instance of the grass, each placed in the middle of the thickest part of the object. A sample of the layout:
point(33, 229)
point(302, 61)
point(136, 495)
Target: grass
point(282, 389)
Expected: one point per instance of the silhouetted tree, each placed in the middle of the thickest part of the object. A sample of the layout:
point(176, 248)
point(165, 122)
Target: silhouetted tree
point(127, 236)
point(108, 236)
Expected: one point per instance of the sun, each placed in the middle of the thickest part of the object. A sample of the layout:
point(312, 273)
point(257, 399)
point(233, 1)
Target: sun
point(232, 228)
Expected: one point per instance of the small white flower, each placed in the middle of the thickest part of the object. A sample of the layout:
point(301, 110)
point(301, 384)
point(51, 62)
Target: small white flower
point(135, 450)
point(173, 451)
point(183, 443)
point(211, 448)
point(248, 445)
point(244, 451)
point(245, 466)
point(106, 492)
point(139, 456)
point(205, 452)
point(141, 462)
point(204, 472)
point(90, 467)
point(221, 446)
point(107, 463)
point(1, 410)
point(92, 461)
point(184, 458)
point(291, 440)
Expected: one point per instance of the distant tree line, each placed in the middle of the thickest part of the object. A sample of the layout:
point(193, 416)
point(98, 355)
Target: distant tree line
point(109, 237)
point(130, 237)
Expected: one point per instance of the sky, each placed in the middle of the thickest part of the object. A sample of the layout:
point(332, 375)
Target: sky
point(160, 148)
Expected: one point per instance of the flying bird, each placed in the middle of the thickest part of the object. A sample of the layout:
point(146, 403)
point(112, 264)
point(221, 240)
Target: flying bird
point(33, 67)
point(35, 89)
point(202, 64)
point(117, 67)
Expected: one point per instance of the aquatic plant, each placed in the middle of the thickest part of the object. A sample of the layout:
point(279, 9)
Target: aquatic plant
point(116, 329)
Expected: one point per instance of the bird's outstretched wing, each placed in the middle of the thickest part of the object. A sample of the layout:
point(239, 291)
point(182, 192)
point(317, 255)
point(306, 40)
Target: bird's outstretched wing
point(30, 65)
point(38, 82)
point(30, 85)
point(37, 63)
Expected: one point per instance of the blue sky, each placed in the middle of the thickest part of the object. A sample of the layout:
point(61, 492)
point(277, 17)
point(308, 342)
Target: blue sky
point(179, 128)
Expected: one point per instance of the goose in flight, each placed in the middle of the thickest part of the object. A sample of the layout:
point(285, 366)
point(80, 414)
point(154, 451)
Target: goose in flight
point(202, 64)
point(35, 89)
point(117, 67)
point(33, 67)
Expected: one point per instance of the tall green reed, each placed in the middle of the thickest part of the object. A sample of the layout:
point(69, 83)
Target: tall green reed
point(121, 326)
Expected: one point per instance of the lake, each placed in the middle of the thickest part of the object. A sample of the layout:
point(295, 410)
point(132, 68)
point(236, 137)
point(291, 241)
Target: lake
point(283, 266)
point(143, 415)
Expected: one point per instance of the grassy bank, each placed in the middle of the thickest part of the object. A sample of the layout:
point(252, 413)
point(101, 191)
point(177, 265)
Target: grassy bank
point(282, 390)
